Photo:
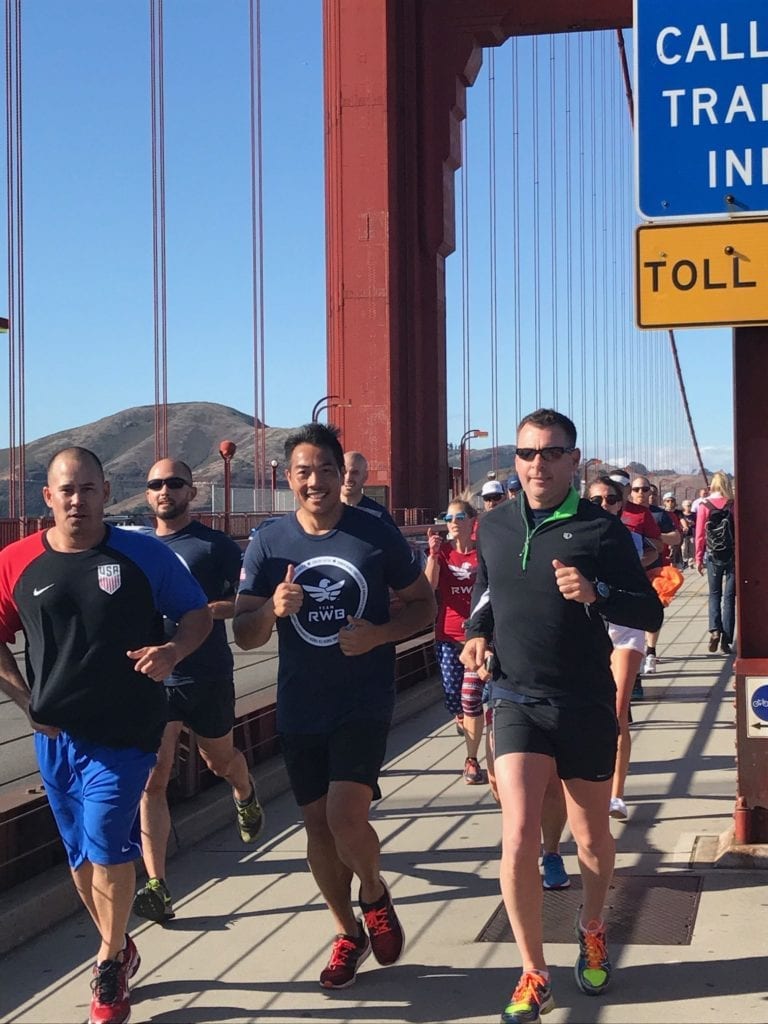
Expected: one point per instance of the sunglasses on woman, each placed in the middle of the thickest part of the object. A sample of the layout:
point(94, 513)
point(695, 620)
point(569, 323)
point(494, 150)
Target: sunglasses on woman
point(608, 499)
point(644, 489)
point(550, 454)
point(458, 516)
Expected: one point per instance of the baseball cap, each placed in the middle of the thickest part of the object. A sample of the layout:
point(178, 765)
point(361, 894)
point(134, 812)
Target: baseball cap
point(669, 494)
point(513, 483)
point(490, 488)
point(619, 477)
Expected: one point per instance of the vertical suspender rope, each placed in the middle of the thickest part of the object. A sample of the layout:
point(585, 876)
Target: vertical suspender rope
point(553, 199)
point(586, 436)
point(157, 87)
point(257, 250)
point(536, 217)
point(465, 307)
point(15, 207)
point(516, 228)
point(672, 341)
point(595, 257)
point(493, 253)
point(568, 225)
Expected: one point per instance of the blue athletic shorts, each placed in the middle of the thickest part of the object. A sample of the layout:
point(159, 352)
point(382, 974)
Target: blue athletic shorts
point(94, 793)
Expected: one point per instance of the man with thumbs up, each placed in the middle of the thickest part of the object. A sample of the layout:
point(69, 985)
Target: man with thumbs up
point(550, 566)
point(322, 576)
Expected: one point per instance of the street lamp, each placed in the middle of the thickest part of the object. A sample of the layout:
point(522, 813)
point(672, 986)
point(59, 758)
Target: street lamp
point(273, 465)
point(227, 450)
point(328, 402)
point(463, 453)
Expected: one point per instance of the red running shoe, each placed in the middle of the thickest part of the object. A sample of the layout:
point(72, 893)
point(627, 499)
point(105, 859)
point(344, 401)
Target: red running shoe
point(384, 928)
point(347, 954)
point(111, 1001)
point(473, 773)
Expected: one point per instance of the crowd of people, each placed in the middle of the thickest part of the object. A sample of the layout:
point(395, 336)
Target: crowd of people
point(547, 609)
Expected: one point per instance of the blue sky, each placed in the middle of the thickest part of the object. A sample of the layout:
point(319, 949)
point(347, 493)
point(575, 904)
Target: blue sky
point(88, 244)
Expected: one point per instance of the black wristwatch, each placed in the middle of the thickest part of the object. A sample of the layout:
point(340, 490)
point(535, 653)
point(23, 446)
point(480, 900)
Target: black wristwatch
point(602, 592)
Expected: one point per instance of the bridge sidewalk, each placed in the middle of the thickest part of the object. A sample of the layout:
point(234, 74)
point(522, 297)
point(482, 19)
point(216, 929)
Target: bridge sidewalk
point(251, 933)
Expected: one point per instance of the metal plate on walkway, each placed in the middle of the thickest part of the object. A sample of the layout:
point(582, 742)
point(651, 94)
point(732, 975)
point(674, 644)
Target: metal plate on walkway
point(644, 910)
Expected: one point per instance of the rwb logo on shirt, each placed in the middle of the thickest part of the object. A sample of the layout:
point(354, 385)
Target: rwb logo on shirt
point(109, 578)
point(333, 589)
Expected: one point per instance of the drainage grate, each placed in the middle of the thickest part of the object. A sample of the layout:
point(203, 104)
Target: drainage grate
point(644, 910)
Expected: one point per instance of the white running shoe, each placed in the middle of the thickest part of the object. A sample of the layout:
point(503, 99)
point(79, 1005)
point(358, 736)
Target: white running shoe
point(617, 808)
point(649, 665)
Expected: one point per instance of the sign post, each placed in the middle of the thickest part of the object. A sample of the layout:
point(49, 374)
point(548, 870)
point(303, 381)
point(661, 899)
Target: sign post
point(701, 161)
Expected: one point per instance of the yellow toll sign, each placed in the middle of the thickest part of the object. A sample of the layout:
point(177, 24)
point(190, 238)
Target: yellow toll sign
point(712, 274)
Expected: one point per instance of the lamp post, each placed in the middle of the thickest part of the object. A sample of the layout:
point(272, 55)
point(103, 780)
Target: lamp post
point(273, 466)
point(463, 453)
point(328, 402)
point(227, 450)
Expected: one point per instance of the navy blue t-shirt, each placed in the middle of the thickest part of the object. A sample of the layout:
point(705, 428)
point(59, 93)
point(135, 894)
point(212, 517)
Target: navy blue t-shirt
point(373, 508)
point(345, 572)
point(214, 559)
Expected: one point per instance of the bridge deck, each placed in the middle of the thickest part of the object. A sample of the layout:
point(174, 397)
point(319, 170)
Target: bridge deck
point(251, 933)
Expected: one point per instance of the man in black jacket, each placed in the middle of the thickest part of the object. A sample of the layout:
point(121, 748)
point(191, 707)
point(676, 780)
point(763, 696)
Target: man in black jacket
point(551, 570)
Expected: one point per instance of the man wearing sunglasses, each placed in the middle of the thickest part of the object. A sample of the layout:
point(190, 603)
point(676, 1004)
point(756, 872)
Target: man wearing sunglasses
point(492, 494)
point(550, 566)
point(201, 692)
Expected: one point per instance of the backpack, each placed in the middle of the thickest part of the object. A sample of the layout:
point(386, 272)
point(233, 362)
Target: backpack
point(719, 533)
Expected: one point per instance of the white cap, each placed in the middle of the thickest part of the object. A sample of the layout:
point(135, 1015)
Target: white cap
point(491, 487)
point(669, 494)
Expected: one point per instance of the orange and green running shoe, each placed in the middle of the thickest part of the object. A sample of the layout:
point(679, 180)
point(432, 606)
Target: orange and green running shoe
point(593, 968)
point(531, 998)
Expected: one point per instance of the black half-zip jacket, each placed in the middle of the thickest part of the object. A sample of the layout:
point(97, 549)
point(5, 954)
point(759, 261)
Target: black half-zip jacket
point(547, 647)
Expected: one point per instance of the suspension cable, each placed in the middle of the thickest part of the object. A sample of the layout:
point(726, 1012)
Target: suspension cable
point(494, 320)
point(671, 333)
point(157, 104)
point(257, 250)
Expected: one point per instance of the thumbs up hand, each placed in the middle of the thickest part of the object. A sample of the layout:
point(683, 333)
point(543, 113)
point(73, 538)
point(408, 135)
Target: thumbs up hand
point(571, 584)
point(288, 596)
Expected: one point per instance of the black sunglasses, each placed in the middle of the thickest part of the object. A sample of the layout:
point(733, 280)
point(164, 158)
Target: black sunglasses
point(549, 454)
point(643, 489)
point(493, 497)
point(173, 483)
point(609, 499)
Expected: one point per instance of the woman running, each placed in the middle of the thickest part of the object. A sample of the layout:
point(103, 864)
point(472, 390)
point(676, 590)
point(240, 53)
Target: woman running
point(451, 569)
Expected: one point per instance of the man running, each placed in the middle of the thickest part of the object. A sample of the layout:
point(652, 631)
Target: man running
point(201, 689)
point(87, 597)
point(322, 575)
point(553, 565)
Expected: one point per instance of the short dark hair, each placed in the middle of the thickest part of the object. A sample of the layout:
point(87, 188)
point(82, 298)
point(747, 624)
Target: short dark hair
point(319, 435)
point(615, 486)
point(550, 418)
point(75, 451)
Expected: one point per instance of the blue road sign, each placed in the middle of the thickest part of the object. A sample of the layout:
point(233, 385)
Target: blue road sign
point(701, 89)
point(760, 703)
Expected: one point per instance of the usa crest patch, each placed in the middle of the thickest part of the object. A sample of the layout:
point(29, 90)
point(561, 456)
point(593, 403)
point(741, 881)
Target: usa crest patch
point(109, 578)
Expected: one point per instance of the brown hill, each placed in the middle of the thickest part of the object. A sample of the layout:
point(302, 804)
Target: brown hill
point(125, 442)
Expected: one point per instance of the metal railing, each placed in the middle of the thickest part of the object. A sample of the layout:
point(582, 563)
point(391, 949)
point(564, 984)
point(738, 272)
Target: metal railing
point(29, 840)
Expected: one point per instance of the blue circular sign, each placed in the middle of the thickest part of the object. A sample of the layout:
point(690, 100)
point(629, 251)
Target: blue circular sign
point(759, 703)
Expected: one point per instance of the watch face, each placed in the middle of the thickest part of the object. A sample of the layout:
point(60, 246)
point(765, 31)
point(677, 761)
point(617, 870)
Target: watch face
point(603, 589)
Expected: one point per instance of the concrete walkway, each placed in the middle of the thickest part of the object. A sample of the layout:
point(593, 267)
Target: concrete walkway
point(251, 933)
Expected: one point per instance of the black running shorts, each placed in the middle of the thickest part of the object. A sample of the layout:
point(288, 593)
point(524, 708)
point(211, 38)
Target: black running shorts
point(582, 740)
point(354, 752)
point(207, 708)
